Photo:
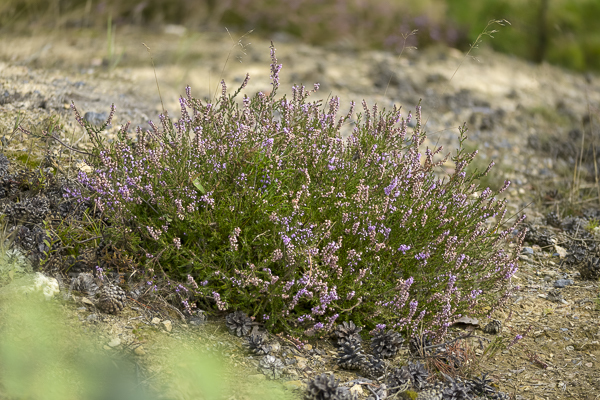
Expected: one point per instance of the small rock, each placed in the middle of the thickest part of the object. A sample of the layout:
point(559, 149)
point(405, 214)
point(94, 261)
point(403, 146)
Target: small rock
point(275, 347)
point(356, 390)
point(307, 347)
point(87, 301)
point(168, 325)
point(301, 361)
point(139, 351)
point(560, 251)
point(155, 321)
point(561, 283)
point(527, 250)
point(95, 118)
point(114, 342)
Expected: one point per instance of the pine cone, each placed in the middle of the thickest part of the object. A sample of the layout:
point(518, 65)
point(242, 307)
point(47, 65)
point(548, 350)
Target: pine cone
point(417, 374)
point(373, 367)
point(271, 366)
point(85, 282)
point(493, 328)
point(590, 269)
point(481, 386)
point(324, 387)
point(432, 392)
point(346, 330)
point(456, 391)
point(386, 345)
point(576, 255)
point(399, 379)
point(256, 344)
point(351, 354)
point(542, 238)
point(553, 219)
point(111, 299)
point(238, 323)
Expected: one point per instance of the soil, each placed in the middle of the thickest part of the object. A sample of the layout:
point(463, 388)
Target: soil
point(524, 117)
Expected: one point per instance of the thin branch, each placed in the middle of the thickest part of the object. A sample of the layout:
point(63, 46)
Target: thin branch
point(58, 140)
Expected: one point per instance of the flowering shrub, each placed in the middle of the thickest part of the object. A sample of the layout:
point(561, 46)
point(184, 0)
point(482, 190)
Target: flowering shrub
point(274, 212)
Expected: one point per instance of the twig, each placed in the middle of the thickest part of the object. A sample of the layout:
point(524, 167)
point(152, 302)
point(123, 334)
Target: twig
point(58, 140)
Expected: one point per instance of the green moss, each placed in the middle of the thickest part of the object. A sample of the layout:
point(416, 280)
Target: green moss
point(409, 394)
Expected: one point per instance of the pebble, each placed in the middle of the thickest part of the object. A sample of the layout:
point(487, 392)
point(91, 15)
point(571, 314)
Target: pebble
point(155, 321)
point(168, 325)
point(85, 300)
point(114, 342)
point(561, 283)
point(356, 390)
point(307, 347)
point(275, 347)
point(527, 250)
point(139, 351)
point(95, 118)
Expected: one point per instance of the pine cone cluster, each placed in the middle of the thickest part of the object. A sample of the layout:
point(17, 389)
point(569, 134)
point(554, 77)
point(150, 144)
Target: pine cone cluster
point(111, 299)
point(238, 323)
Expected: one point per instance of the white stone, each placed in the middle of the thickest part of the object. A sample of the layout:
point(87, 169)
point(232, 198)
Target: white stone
point(46, 285)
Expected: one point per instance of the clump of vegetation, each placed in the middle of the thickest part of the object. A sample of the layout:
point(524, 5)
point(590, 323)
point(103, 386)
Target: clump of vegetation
point(264, 206)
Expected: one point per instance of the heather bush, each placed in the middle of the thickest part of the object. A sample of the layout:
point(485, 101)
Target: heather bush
point(262, 205)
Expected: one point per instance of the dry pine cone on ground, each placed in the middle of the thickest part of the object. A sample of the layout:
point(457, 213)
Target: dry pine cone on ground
point(111, 299)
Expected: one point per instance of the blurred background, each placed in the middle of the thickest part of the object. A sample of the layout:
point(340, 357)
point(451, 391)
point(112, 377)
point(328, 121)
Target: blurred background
point(561, 32)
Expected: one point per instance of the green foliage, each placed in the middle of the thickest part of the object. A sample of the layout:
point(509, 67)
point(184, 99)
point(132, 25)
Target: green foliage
point(266, 206)
point(46, 355)
point(566, 33)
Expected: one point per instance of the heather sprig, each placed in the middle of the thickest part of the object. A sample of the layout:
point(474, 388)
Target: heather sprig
point(283, 217)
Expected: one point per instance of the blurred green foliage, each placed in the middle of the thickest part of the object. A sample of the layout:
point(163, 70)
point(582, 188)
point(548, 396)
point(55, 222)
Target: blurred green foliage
point(46, 353)
point(563, 32)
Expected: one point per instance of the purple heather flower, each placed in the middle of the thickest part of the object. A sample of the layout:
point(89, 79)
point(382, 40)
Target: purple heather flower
point(403, 248)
